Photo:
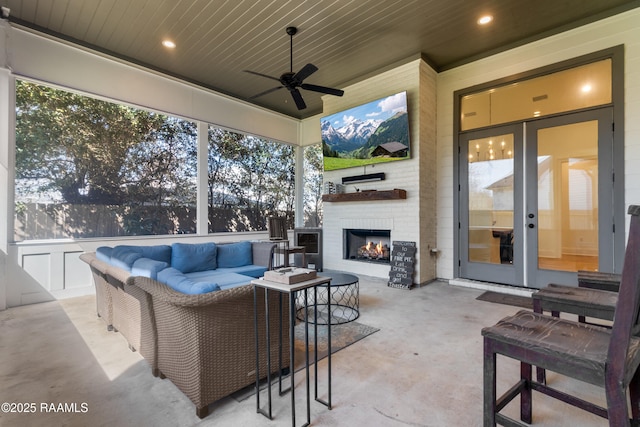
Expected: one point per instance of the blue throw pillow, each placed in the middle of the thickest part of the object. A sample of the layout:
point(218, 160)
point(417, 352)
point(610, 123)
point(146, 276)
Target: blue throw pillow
point(190, 257)
point(181, 283)
point(147, 267)
point(235, 255)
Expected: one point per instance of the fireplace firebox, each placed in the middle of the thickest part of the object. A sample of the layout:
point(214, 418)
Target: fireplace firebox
point(367, 245)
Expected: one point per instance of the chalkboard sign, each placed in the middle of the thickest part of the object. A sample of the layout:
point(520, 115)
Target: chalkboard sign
point(403, 258)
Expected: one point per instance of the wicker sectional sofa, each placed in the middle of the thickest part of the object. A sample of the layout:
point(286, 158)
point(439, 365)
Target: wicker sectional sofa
point(197, 331)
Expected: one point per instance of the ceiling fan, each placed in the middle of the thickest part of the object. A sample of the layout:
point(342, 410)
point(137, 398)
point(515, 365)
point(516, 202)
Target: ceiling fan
point(292, 81)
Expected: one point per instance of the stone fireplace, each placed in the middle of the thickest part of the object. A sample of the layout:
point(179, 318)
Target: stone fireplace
point(367, 245)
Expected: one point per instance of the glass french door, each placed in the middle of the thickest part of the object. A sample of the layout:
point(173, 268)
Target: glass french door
point(536, 200)
point(491, 227)
point(569, 202)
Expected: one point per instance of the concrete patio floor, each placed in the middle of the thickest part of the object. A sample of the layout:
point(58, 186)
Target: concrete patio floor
point(423, 368)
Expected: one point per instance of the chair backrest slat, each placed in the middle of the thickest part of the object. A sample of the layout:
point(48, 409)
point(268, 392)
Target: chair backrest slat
point(626, 319)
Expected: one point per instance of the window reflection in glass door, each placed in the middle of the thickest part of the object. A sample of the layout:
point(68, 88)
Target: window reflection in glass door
point(491, 199)
point(568, 197)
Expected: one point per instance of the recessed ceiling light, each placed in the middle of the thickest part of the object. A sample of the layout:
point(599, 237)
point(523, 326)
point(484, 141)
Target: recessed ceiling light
point(586, 88)
point(484, 20)
point(168, 43)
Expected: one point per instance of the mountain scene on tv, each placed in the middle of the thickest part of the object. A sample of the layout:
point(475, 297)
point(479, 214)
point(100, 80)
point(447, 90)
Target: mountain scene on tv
point(371, 133)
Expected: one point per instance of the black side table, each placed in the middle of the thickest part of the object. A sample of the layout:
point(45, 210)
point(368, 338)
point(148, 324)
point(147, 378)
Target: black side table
point(292, 291)
point(337, 302)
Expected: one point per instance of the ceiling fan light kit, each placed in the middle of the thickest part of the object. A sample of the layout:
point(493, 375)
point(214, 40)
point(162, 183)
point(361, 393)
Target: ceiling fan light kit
point(292, 81)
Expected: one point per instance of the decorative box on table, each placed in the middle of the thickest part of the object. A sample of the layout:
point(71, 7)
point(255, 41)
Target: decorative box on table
point(289, 275)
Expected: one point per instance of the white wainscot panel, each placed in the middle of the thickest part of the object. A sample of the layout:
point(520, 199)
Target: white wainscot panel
point(76, 273)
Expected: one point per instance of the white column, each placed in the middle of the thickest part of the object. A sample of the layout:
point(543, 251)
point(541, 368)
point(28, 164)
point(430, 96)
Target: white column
point(299, 186)
point(7, 171)
point(202, 212)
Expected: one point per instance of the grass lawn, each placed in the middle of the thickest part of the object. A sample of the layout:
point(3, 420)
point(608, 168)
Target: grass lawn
point(333, 163)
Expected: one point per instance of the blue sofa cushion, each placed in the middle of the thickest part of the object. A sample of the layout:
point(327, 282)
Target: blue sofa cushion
point(157, 252)
point(235, 255)
point(251, 270)
point(190, 257)
point(103, 253)
point(124, 256)
point(224, 281)
point(148, 267)
point(177, 281)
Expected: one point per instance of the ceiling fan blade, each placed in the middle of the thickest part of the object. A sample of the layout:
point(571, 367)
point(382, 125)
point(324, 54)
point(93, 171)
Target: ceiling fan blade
point(306, 71)
point(297, 97)
point(261, 75)
point(322, 89)
point(273, 89)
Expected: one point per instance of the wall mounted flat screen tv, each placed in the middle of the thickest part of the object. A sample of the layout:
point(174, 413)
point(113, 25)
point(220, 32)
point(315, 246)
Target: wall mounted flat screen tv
point(375, 132)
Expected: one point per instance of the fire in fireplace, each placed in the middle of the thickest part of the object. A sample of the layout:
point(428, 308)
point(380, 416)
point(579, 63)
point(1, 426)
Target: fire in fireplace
point(367, 245)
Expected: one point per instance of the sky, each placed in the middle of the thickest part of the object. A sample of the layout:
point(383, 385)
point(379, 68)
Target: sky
point(380, 109)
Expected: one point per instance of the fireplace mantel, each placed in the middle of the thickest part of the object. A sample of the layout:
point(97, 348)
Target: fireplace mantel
point(367, 195)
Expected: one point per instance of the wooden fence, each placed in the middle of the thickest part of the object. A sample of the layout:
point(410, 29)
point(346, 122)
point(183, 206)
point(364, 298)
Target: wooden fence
point(44, 221)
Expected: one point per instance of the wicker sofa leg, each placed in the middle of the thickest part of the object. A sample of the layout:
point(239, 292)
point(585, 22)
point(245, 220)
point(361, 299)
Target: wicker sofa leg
point(202, 412)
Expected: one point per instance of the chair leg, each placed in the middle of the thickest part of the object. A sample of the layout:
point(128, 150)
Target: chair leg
point(634, 395)
point(617, 408)
point(525, 393)
point(541, 374)
point(489, 385)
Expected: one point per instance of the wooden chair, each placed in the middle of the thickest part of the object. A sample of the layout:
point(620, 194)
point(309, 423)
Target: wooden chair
point(595, 296)
point(599, 280)
point(585, 302)
point(608, 358)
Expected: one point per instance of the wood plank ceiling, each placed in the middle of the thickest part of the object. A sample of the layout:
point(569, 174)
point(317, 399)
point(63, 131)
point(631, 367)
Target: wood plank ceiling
point(346, 39)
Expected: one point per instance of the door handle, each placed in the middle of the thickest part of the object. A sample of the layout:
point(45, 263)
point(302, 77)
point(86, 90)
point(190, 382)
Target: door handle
point(531, 225)
point(531, 215)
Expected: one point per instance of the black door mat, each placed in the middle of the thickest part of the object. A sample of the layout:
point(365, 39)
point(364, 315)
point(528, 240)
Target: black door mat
point(507, 299)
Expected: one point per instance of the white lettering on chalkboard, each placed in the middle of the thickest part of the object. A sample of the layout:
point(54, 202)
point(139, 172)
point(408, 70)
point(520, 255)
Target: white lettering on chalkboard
point(402, 264)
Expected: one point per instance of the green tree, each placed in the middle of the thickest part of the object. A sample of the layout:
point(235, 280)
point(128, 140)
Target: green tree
point(250, 179)
point(313, 180)
point(81, 150)
point(74, 144)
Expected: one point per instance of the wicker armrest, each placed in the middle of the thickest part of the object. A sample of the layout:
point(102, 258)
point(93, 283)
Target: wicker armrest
point(91, 259)
point(88, 257)
point(118, 274)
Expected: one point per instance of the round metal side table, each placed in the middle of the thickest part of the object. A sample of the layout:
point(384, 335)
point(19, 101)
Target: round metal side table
point(344, 291)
